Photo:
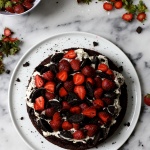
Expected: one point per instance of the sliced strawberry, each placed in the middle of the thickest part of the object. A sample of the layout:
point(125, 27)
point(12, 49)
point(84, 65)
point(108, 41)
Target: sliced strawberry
point(80, 91)
point(107, 6)
point(56, 116)
point(98, 82)
point(50, 86)
point(83, 106)
point(147, 99)
point(110, 72)
point(62, 75)
point(66, 125)
point(48, 75)
point(39, 103)
point(7, 32)
point(38, 81)
point(118, 4)
point(78, 78)
point(107, 101)
point(78, 135)
point(18, 8)
point(90, 80)
point(88, 71)
point(70, 54)
point(91, 129)
point(98, 103)
point(89, 112)
point(127, 17)
point(108, 85)
point(55, 125)
point(104, 116)
point(103, 67)
point(49, 95)
point(65, 105)
point(75, 110)
point(76, 126)
point(141, 17)
point(49, 112)
point(69, 85)
point(64, 65)
point(75, 64)
point(98, 93)
point(27, 4)
point(62, 92)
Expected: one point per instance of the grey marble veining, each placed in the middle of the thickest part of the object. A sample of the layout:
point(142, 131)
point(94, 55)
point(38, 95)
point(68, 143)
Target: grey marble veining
point(51, 18)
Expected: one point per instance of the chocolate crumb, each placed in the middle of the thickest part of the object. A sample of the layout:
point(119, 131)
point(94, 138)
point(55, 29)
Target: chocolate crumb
point(8, 71)
point(113, 142)
point(26, 64)
point(139, 30)
point(127, 124)
point(95, 44)
point(21, 118)
point(18, 80)
point(121, 68)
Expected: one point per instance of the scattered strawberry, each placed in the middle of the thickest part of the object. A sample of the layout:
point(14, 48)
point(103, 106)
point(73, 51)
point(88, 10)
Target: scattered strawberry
point(88, 71)
point(39, 103)
point(70, 54)
point(147, 99)
point(107, 6)
point(75, 110)
point(66, 125)
point(69, 85)
point(65, 105)
point(141, 17)
point(78, 135)
point(48, 75)
point(7, 32)
point(108, 85)
point(78, 78)
point(98, 103)
point(107, 100)
point(98, 93)
point(83, 106)
point(104, 116)
point(76, 126)
point(49, 112)
point(38, 81)
point(91, 129)
point(55, 125)
point(62, 75)
point(62, 92)
point(80, 91)
point(98, 82)
point(127, 17)
point(18, 8)
point(27, 4)
point(103, 67)
point(50, 86)
point(49, 95)
point(64, 65)
point(13, 39)
point(75, 64)
point(118, 4)
point(89, 112)
point(90, 80)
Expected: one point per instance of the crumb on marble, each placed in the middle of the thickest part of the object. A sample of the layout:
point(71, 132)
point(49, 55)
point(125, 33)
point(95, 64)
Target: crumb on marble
point(18, 80)
point(26, 64)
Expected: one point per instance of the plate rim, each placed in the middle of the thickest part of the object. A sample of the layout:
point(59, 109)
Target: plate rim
point(70, 33)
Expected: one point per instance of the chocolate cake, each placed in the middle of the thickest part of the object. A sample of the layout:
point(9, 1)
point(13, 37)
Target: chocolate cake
point(76, 98)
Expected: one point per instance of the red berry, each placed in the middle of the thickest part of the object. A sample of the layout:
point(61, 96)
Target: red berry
point(62, 92)
point(7, 32)
point(89, 112)
point(18, 8)
point(62, 75)
point(78, 78)
point(75, 110)
point(108, 85)
point(78, 135)
point(50, 86)
point(110, 72)
point(49, 95)
point(38, 81)
point(103, 67)
point(65, 105)
point(147, 99)
point(141, 17)
point(70, 54)
point(118, 4)
point(98, 103)
point(66, 125)
point(39, 103)
point(56, 117)
point(75, 126)
point(49, 112)
point(80, 91)
point(107, 6)
point(127, 17)
point(69, 85)
point(104, 116)
point(64, 65)
point(107, 100)
point(98, 82)
point(98, 93)
point(9, 9)
point(90, 80)
point(48, 75)
point(88, 71)
point(75, 64)
point(27, 4)
point(83, 106)
point(91, 129)
point(55, 125)
point(15, 1)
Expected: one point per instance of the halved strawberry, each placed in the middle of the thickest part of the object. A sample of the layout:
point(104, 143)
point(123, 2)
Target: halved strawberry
point(127, 17)
point(49, 95)
point(56, 116)
point(104, 116)
point(141, 17)
point(18, 8)
point(76, 126)
point(49, 112)
point(80, 91)
point(38, 81)
point(75, 110)
point(83, 106)
point(110, 72)
point(9, 8)
point(66, 125)
point(65, 105)
point(48, 75)
point(64, 65)
point(7, 32)
point(78, 135)
point(27, 4)
point(78, 78)
point(98, 103)
point(98, 82)
point(62, 92)
point(108, 85)
point(69, 85)
point(91, 129)
point(39, 103)
point(118, 4)
point(55, 125)
point(103, 67)
point(107, 100)
point(70, 54)
point(75, 64)
point(107, 6)
point(89, 112)
point(90, 80)
point(50, 86)
point(88, 71)
point(98, 93)
point(62, 75)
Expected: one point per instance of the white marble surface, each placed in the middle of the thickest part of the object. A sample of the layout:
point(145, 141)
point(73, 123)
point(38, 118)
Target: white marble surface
point(50, 18)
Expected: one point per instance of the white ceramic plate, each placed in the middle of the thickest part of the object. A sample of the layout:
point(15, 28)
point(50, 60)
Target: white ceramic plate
point(17, 90)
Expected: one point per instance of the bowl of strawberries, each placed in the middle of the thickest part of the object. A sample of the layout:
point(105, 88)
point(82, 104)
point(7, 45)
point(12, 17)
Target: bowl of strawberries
point(17, 7)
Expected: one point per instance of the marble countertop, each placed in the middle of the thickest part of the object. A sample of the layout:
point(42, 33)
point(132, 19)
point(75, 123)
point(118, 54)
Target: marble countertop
point(57, 16)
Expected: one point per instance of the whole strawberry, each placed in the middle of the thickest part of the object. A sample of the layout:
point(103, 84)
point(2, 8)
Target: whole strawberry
point(147, 99)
